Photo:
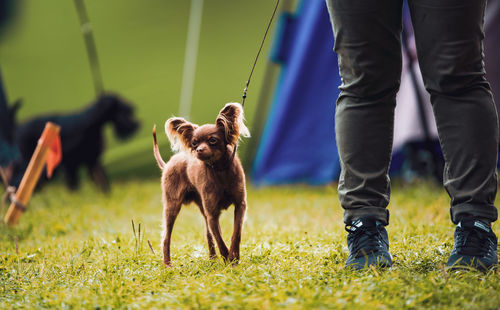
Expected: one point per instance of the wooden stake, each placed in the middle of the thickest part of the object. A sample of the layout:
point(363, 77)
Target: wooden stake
point(32, 174)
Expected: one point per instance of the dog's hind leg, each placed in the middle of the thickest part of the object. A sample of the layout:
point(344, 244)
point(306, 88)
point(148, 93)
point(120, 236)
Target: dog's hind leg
point(71, 174)
point(239, 216)
point(99, 177)
point(170, 212)
point(210, 238)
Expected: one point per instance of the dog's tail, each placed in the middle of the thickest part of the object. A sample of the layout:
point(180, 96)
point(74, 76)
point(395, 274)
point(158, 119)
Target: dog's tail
point(159, 160)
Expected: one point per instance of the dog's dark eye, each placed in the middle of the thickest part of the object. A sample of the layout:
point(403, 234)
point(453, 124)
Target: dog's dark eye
point(212, 141)
point(194, 143)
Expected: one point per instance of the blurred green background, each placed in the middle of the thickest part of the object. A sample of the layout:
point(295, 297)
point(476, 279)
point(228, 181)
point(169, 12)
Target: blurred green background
point(141, 48)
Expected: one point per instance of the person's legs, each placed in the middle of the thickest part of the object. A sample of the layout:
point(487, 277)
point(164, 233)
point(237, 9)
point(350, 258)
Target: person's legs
point(449, 36)
point(367, 41)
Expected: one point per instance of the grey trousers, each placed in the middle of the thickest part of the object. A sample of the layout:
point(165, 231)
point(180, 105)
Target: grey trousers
point(449, 35)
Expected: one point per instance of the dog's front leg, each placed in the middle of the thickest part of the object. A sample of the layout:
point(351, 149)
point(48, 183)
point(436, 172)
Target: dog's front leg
point(210, 240)
point(239, 216)
point(214, 226)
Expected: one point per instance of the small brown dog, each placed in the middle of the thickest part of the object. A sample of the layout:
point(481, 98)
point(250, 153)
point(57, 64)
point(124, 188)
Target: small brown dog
point(206, 172)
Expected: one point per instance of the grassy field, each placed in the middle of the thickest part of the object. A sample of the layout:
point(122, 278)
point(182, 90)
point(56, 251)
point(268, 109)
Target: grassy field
point(78, 250)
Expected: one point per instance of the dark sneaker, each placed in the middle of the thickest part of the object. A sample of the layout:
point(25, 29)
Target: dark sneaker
point(475, 245)
point(368, 244)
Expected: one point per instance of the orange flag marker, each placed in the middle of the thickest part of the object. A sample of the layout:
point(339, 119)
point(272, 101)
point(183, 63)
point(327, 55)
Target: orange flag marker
point(55, 153)
point(48, 150)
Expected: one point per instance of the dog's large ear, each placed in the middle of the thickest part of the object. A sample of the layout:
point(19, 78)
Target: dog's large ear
point(179, 132)
point(231, 121)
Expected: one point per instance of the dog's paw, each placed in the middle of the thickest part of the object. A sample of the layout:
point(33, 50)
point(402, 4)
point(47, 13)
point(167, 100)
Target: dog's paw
point(167, 264)
point(233, 259)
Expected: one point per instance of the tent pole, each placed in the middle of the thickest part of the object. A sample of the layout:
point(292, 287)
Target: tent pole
point(191, 54)
point(435, 160)
point(90, 45)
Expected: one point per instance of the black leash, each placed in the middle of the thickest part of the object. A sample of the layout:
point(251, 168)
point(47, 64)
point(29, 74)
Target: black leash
point(90, 45)
point(258, 54)
point(253, 67)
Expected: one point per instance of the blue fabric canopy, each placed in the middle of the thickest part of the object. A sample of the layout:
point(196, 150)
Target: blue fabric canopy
point(298, 141)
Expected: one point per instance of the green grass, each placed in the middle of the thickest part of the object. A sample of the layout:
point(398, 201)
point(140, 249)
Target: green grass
point(78, 250)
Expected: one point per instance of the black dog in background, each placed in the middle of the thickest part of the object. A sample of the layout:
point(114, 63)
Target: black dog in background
point(81, 138)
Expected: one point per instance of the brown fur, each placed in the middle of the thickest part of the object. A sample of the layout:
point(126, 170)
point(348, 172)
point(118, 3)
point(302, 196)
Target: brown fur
point(205, 173)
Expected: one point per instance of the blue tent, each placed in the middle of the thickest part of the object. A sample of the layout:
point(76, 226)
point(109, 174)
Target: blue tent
point(298, 141)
